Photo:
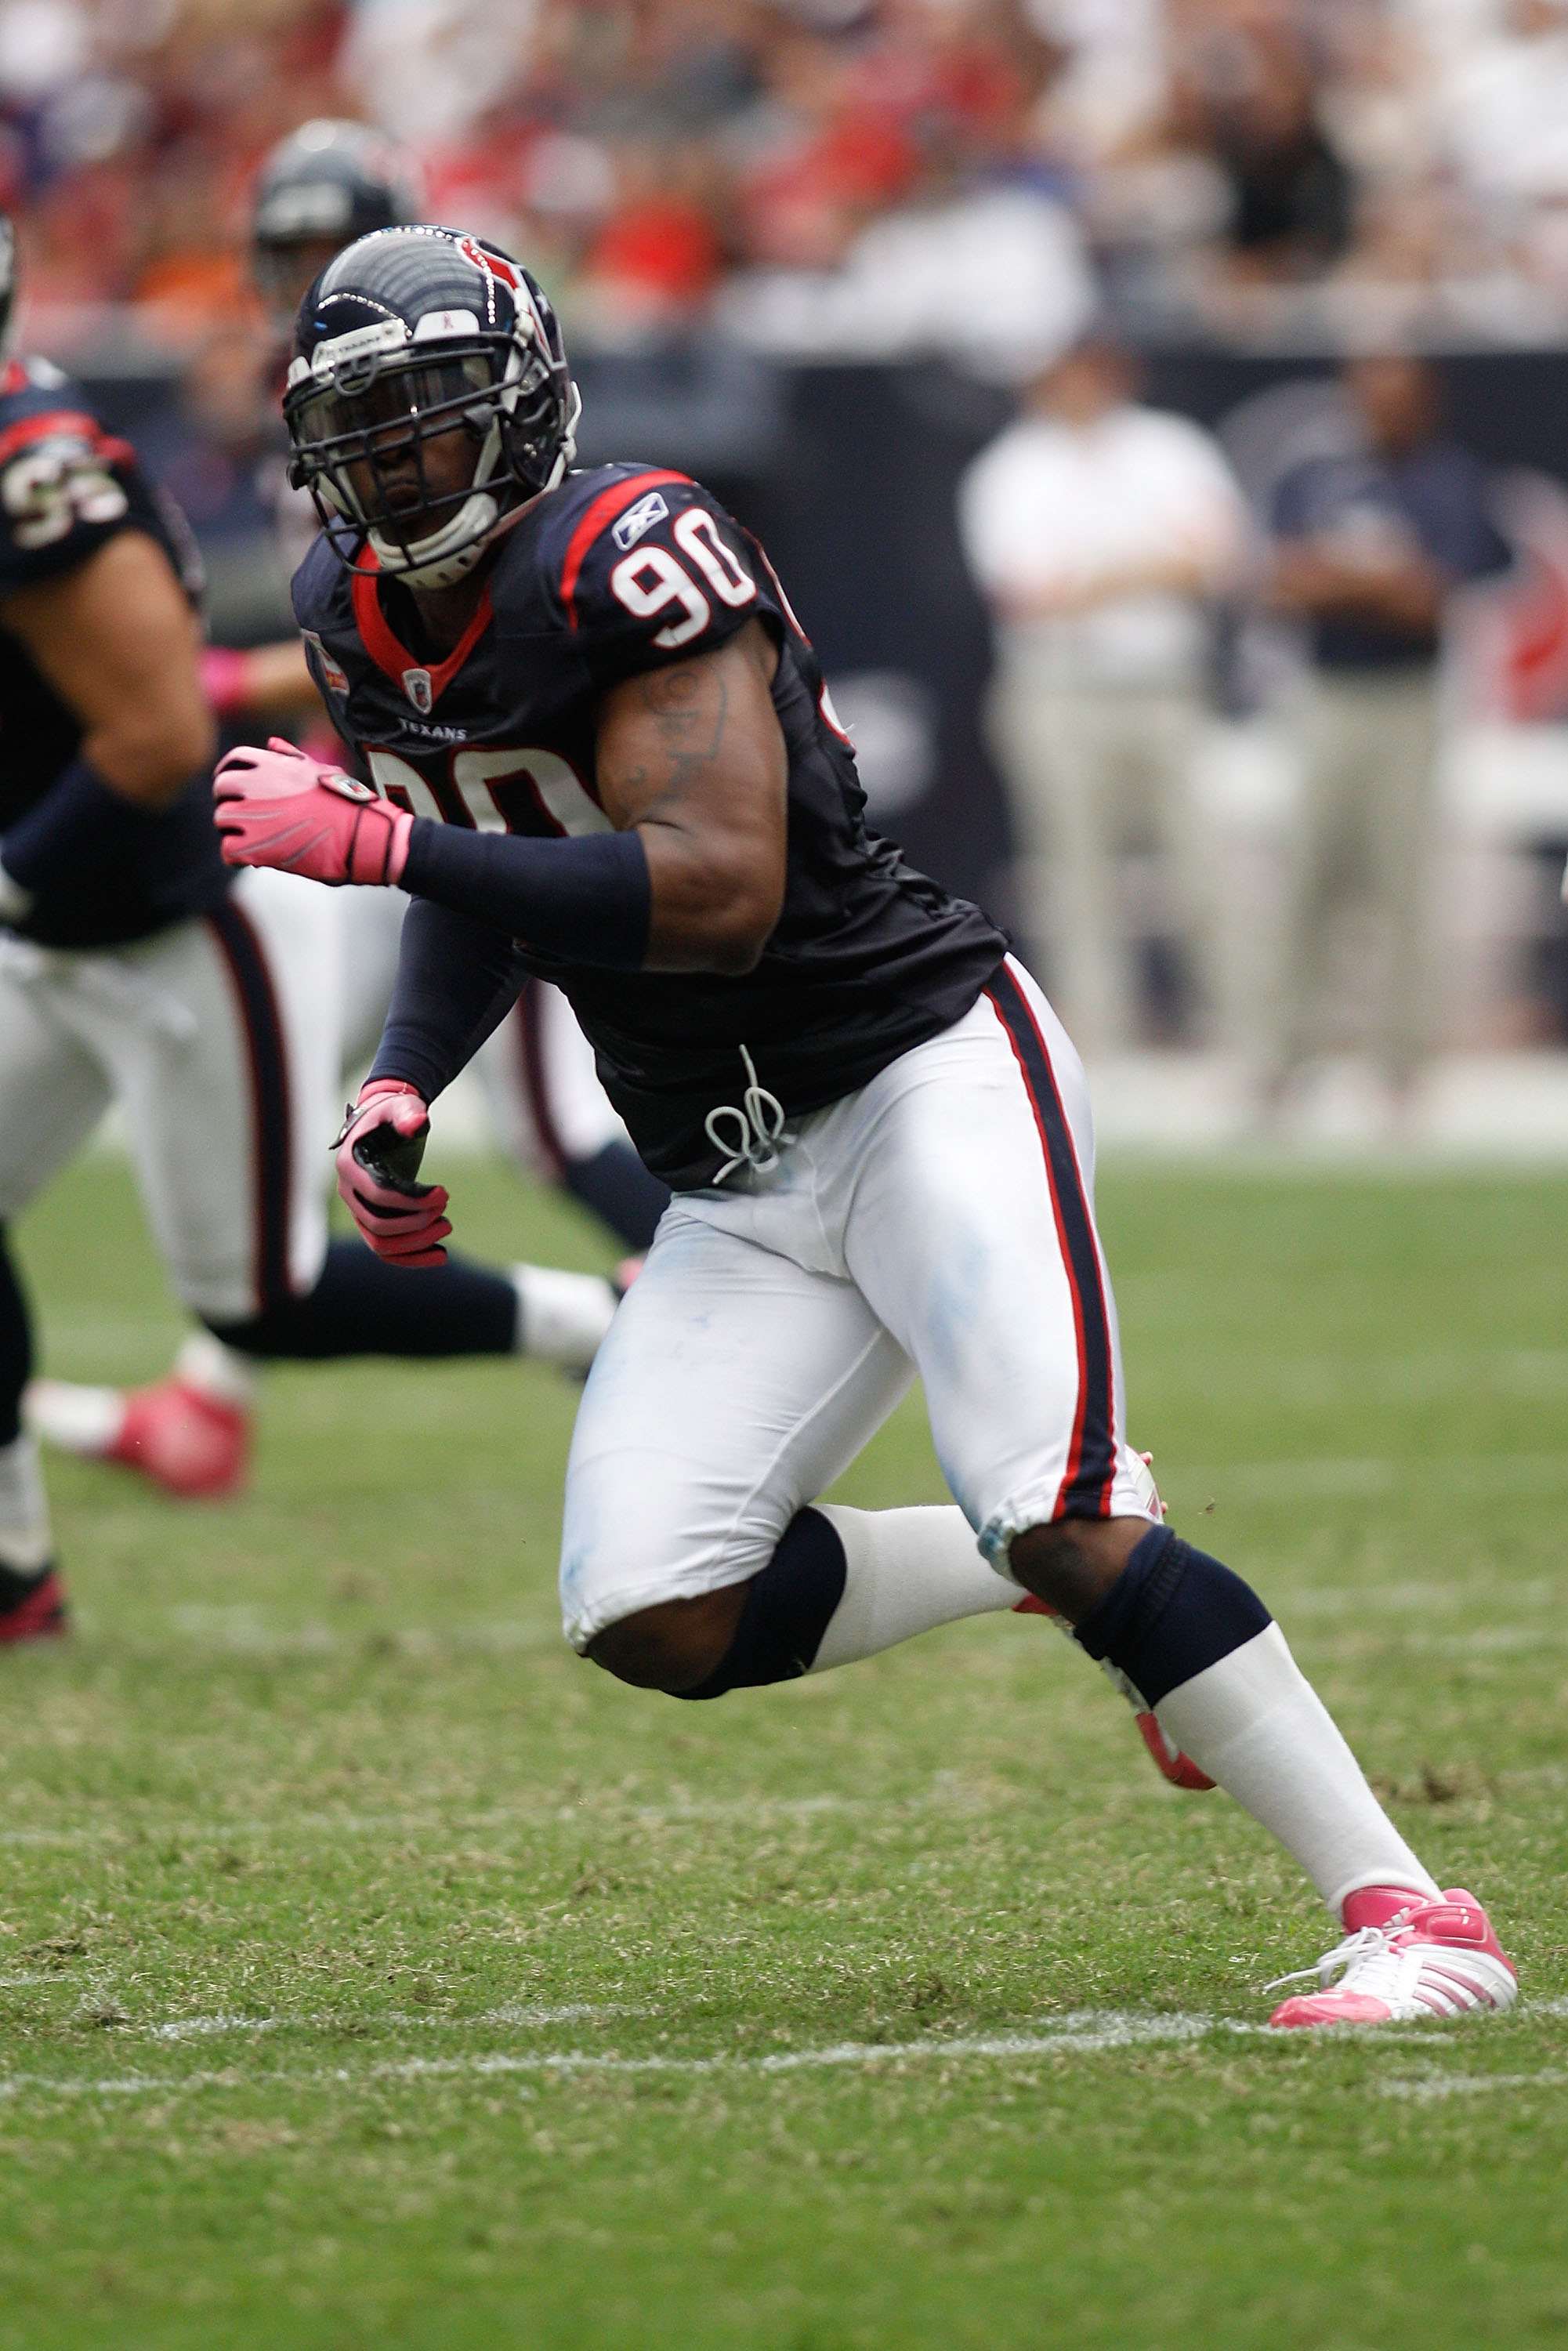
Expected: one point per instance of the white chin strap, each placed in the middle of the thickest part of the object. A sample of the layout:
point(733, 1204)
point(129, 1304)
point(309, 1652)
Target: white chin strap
point(448, 554)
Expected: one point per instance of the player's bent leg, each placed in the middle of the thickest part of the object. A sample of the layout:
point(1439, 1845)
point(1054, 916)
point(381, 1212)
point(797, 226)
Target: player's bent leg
point(361, 1306)
point(841, 1584)
point(191, 1431)
point(734, 1386)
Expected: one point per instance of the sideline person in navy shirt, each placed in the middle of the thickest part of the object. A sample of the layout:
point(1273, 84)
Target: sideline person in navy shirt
point(1369, 544)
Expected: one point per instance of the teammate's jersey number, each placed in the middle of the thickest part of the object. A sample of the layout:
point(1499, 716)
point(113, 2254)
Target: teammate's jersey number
point(651, 580)
point(492, 789)
point(54, 486)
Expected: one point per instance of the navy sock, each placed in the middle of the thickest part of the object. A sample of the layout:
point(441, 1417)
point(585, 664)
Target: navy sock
point(361, 1306)
point(16, 1347)
point(788, 1609)
point(617, 1186)
point(1171, 1613)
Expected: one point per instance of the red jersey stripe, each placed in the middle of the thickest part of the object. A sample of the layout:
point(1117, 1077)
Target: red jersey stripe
point(377, 636)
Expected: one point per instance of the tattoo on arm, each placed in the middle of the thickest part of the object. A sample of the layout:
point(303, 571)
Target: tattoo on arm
point(687, 708)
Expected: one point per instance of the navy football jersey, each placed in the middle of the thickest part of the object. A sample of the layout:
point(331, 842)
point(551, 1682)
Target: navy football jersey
point(620, 570)
point(67, 487)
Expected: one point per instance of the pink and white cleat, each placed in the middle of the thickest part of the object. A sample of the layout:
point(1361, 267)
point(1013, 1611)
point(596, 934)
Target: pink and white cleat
point(1437, 1956)
point(190, 1433)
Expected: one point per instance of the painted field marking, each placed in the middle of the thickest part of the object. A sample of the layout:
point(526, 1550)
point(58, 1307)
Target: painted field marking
point(512, 2012)
point(1081, 2033)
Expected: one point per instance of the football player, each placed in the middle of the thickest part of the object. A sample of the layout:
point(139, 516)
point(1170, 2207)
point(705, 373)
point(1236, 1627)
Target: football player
point(325, 184)
point(601, 750)
point(132, 970)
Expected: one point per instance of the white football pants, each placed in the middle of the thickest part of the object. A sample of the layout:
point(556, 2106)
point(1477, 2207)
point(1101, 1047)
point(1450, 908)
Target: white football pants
point(219, 1039)
point(939, 1220)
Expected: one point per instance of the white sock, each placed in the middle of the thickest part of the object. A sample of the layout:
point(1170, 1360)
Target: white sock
point(25, 1542)
point(1255, 1724)
point(213, 1370)
point(906, 1571)
point(561, 1317)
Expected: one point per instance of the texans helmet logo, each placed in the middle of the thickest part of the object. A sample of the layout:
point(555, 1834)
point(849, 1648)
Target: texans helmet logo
point(495, 265)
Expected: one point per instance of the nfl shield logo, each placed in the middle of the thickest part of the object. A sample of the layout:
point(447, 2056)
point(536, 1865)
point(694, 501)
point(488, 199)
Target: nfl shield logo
point(416, 685)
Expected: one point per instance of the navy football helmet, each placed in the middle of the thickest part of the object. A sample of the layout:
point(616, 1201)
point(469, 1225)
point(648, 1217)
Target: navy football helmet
point(325, 184)
point(411, 334)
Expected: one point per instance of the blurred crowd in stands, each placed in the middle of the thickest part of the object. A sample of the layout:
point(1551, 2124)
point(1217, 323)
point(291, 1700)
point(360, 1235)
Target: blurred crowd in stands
point(845, 177)
point(1033, 192)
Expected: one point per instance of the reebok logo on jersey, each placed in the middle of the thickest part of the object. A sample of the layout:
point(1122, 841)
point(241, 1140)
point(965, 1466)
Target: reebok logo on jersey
point(639, 518)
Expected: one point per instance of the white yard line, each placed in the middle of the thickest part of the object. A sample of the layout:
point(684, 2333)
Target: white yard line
point(1082, 2032)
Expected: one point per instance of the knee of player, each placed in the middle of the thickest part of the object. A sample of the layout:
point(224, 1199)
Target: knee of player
point(674, 1647)
point(1071, 1563)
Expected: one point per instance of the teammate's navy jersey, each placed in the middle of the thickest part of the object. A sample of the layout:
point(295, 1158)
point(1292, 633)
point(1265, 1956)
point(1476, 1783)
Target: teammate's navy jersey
point(621, 570)
point(67, 487)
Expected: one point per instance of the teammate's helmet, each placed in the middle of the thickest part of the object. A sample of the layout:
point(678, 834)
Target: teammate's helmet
point(411, 334)
point(325, 184)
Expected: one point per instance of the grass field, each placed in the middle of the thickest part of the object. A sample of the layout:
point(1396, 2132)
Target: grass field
point(373, 1973)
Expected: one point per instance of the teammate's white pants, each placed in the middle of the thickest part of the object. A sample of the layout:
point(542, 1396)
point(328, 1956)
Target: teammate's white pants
point(219, 1039)
point(940, 1220)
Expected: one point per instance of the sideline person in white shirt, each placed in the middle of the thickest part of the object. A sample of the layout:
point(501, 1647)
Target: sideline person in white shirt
point(1097, 529)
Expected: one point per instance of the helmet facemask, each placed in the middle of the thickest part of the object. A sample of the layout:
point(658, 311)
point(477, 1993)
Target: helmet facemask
point(365, 446)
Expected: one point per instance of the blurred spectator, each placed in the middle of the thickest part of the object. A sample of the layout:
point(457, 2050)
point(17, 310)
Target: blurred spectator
point(944, 235)
point(1245, 90)
point(1507, 124)
point(1097, 528)
point(1369, 547)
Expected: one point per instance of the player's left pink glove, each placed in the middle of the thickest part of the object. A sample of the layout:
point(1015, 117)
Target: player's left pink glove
point(404, 1221)
point(279, 808)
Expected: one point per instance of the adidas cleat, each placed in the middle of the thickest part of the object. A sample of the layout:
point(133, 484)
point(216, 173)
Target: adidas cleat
point(1178, 1769)
point(185, 1440)
point(1436, 1958)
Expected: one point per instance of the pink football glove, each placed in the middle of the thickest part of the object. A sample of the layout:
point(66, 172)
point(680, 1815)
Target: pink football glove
point(279, 808)
point(403, 1222)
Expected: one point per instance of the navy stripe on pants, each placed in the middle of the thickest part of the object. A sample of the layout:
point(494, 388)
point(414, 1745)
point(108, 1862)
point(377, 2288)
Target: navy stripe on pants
point(1092, 1459)
point(243, 952)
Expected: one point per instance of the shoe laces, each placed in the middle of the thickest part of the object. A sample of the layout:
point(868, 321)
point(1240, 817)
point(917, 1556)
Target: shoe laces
point(1370, 1956)
point(760, 1126)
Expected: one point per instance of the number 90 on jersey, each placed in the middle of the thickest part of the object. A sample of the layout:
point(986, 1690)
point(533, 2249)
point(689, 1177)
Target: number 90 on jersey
point(496, 791)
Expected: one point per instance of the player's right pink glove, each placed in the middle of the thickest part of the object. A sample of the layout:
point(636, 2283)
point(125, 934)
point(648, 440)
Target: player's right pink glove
point(279, 808)
point(402, 1220)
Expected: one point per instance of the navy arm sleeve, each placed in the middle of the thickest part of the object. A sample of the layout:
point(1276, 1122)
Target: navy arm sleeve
point(587, 900)
point(456, 981)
